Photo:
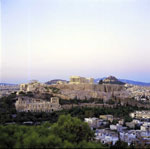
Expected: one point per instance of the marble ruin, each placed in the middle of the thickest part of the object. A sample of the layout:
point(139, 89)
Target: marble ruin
point(37, 105)
point(33, 86)
point(81, 80)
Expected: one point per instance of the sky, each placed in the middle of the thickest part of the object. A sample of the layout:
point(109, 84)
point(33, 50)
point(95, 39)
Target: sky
point(51, 39)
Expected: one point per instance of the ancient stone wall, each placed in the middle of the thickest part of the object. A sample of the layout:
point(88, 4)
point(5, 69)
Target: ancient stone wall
point(32, 87)
point(37, 105)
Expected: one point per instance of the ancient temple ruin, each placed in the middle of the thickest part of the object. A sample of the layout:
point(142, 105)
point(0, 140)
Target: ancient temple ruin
point(24, 104)
point(81, 80)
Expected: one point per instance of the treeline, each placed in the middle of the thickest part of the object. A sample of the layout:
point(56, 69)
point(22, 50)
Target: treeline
point(67, 132)
point(119, 111)
point(8, 112)
point(7, 108)
point(80, 112)
point(78, 101)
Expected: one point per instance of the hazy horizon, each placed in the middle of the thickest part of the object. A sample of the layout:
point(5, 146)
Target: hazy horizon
point(54, 39)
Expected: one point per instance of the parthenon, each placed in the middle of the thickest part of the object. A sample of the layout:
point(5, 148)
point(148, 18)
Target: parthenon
point(81, 80)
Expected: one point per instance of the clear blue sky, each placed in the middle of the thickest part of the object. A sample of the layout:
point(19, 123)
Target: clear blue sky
point(48, 39)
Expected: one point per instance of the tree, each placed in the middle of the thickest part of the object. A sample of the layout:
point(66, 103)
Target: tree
point(67, 132)
point(72, 129)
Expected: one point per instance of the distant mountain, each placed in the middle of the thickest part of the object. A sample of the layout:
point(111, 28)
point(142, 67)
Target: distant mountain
point(126, 81)
point(135, 82)
point(7, 84)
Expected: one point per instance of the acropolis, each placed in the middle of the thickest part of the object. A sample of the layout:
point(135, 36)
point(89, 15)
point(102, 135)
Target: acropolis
point(81, 80)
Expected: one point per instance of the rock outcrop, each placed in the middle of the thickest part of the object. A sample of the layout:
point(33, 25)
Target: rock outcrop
point(87, 91)
point(76, 91)
point(111, 80)
point(93, 87)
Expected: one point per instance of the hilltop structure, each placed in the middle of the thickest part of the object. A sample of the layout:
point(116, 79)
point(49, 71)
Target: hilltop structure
point(81, 80)
point(37, 105)
point(78, 88)
point(33, 86)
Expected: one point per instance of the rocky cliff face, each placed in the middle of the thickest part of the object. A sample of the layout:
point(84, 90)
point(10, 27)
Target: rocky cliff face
point(87, 91)
point(93, 87)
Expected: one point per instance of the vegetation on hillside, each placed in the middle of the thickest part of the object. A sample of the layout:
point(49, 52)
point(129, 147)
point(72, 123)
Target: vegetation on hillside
point(67, 132)
point(9, 114)
point(57, 129)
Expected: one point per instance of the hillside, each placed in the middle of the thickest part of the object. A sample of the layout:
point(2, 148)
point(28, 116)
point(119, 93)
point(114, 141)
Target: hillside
point(111, 80)
point(126, 81)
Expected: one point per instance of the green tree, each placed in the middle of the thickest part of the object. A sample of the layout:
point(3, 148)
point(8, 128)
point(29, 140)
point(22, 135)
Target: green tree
point(67, 132)
point(72, 129)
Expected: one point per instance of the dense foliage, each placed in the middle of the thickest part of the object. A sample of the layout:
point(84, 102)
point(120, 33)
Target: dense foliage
point(7, 108)
point(78, 101)
point(9, 114)
point(67, 132)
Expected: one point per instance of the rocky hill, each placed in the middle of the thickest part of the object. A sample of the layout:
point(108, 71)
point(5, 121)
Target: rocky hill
point(54, 81)
point(88, 91)
point(111, 80)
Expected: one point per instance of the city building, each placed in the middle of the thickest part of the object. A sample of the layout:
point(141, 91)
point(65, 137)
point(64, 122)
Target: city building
point(129, 136)
point(130, 125)
point(95, 122)
point(140, 114)
point(145, 126)
point(106, 136)
point(107, 117)
point(117, 127)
